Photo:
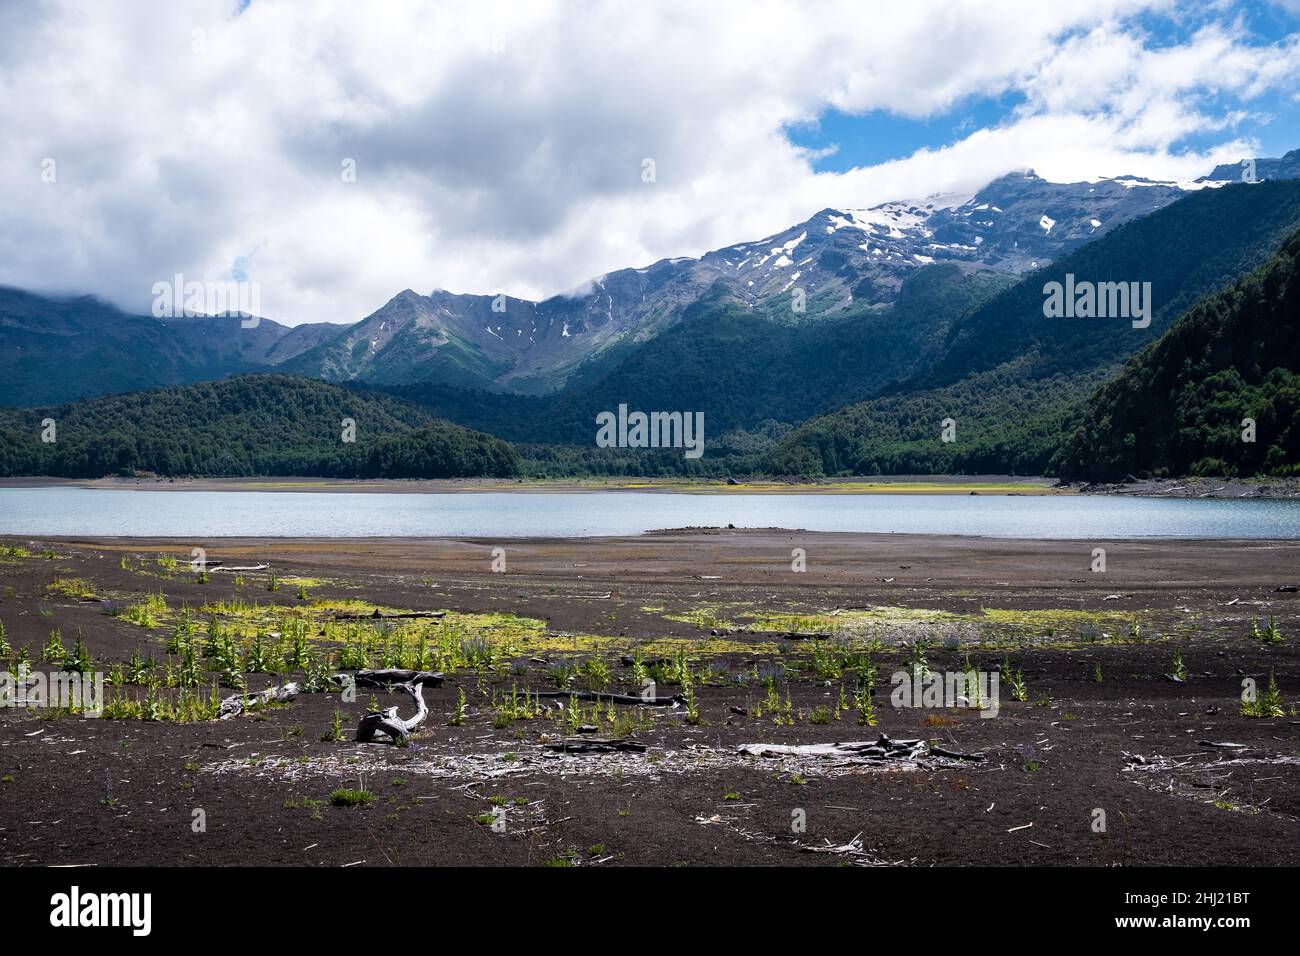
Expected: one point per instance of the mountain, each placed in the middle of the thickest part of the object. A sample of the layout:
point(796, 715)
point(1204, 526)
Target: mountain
point(57, 350)
point(1179, 406)
point(247, 425)
point(741, 369)
point(1015, 381)
point(839, 260)
point(842, 261)
point(1288, 167)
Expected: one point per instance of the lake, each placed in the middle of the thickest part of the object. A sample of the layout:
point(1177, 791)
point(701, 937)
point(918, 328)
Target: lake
point(203, 514)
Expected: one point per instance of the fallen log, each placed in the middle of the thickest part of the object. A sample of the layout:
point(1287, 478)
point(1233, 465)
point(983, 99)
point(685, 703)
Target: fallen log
point(882, 748)
point(854, 750)
point(391, 676)
point(784, 635)
point(595, 745)
point(377, 614)
point(214, 568)
point(387, 722)
point(852, 848)
point(627, 661)
point(236, 704)
point(954, 754)
point(604, 698)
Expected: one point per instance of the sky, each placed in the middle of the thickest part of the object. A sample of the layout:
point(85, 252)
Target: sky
point(335, 153)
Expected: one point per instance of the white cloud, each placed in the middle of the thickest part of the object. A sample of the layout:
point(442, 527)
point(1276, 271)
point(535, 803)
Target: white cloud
point(499, 145)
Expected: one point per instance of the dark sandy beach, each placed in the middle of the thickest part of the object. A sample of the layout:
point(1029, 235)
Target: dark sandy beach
point(1104, 725)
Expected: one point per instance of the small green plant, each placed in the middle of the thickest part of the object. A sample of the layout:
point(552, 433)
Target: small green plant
point(54, 652)
point(1096, 673)
point(258, 658)
point(595, 672)
point(1270, 635)
point(1016, 678)
point(864, 702)
point(692, 702)
point(916, 660)
point(79, 660)
point(335, 733)
point(1180, 670)
point(1265, 705)
point(458, 712)
point(273, 582)
point(351, 797)
point(146, 613)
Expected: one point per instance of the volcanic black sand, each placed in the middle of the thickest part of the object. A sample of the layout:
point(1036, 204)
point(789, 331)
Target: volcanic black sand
point(1128, 674)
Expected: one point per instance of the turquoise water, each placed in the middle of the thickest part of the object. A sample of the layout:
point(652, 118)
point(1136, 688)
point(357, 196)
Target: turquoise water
point(191, 514)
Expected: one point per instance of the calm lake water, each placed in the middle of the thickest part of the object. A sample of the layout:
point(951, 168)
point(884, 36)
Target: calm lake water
point(192, 514)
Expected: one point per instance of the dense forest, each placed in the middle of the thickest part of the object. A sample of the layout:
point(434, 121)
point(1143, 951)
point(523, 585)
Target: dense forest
point(249, 425)
point(1180, 407)
point(1018, 384)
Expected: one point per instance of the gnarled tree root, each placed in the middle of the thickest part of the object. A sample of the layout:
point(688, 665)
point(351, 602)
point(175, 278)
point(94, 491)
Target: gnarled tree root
point(387, 722)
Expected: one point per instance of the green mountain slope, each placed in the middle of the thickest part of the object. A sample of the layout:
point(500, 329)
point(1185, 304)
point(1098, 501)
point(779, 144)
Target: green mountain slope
point(1178, 407)
point(740, 368)
point(1015, 381)
point(249, 425)
point(62, 350)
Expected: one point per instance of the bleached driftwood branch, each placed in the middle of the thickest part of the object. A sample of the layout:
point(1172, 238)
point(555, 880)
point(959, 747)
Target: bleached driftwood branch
point(236, 704)
point(387, 722)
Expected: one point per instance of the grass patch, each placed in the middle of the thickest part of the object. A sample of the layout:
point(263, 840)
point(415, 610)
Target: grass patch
point(351, 797)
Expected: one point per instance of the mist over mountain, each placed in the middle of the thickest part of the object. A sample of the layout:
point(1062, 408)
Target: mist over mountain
point(833, 347)
point(834, 263)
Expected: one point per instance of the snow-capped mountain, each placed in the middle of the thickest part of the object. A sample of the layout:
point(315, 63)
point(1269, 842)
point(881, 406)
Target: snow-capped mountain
point(836, 260)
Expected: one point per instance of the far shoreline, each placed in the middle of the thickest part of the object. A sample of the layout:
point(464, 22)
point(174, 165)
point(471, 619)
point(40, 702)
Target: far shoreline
point(992, 485)
point(887, 485)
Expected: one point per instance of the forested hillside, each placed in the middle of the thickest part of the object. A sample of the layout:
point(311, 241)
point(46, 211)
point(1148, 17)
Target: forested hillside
point(249, 425)
point(1179, 407)
point(740, 368)
point(1014, 381)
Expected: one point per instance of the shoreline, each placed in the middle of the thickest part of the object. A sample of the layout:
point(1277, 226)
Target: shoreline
point(993, 485)
point(904, 485)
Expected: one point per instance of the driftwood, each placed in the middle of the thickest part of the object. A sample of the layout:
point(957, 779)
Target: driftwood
point(628, 661)
point(380, 615)
point(602, 697)
point(881, 749)
point(236, 704)
point(214, 568)
point(387, 722)
point(595, 745)
point(852, 848)
point(783, 635)
point(954, 754)
point(393, 676)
